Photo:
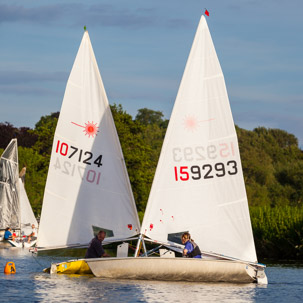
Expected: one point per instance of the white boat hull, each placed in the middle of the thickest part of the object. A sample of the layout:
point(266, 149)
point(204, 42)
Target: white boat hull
point(22, 244)
point(175, 269)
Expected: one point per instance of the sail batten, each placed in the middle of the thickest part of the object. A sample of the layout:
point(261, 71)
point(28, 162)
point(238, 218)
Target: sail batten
point(198, 184)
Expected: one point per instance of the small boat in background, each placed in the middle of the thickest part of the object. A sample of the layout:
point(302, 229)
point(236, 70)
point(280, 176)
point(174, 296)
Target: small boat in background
point(15, 211)
point(9, 188)
point(29, 224)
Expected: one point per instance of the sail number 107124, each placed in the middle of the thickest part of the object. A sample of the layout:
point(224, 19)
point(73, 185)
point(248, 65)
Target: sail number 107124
point(206, 171)
point(68, 155)
point(70, 151)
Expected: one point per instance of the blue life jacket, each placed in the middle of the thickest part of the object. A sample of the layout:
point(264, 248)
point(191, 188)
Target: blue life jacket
point(195, 252)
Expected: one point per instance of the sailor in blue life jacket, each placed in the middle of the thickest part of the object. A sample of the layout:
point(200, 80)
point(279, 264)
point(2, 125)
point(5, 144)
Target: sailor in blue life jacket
point(191, 249)
point(7, 234)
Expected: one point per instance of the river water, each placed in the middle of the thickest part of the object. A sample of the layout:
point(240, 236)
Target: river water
point(31, 284)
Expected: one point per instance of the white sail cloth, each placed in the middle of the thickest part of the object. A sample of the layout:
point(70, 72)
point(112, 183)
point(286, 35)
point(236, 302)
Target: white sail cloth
point(87, 184)
point(27, 215)
point(198, 185)
point(9, 187)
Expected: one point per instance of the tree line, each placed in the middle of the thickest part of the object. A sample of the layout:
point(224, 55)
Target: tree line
point(272, 165)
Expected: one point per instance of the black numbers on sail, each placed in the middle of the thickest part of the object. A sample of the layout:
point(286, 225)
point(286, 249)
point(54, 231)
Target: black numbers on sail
point(85, 157)
point(206, 171)
point(98, 161)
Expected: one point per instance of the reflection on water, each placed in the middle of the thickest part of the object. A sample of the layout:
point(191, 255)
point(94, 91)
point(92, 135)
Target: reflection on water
point(30, 284)
point(90, 289)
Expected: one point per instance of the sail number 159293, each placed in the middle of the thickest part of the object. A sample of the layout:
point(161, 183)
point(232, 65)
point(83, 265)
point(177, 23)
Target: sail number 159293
point(206, 171)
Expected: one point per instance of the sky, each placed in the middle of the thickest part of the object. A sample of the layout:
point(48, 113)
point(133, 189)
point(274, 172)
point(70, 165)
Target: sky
point(142, 47)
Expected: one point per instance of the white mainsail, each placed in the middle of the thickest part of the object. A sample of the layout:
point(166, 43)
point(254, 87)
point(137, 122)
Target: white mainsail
point(198, 185)
point(87, 184)
point(9, 187)
point(27, 215)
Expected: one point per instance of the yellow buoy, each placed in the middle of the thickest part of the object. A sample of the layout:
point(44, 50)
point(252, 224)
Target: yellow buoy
point(10, 268)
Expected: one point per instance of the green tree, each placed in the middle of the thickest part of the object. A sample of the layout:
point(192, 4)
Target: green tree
point(7, 133)
point(272, 166)
point(45, 130)
point(24, 135)
point(35, 178)
point(136, 154)
point(148, 116)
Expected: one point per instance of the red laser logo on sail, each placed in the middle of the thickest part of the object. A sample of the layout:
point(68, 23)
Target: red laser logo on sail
point(90, 128)
point(191, 123)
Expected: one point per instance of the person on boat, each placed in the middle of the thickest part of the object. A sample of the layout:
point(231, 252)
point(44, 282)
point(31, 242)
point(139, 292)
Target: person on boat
point(33, 235)
point(95, 248)
point(191, 249)
point(7, 234)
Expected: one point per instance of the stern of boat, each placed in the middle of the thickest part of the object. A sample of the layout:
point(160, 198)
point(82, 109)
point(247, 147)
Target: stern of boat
point(261, 276)
point(257, 272)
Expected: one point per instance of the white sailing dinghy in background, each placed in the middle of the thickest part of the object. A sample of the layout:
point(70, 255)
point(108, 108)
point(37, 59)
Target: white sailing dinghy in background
point(87, 186)
point(9, 188)
point(27, 220)
point(16, 211)
point(198, 186)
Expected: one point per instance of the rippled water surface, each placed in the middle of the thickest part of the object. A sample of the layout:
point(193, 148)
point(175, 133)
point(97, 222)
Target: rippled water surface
point(30, 284)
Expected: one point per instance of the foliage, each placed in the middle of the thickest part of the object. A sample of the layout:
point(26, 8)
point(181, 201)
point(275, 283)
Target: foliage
point(137, 153)
point(147, 116)
point(278, 232)
point(23, 134)
point(271, 159)
point(44, 130)
point(272, 166)
point(35, 178)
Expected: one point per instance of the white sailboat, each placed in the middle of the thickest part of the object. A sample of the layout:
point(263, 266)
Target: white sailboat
point(28, 220)
point(87, 186)
point(16, 211)
point(198, 186)
point(9, 188)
